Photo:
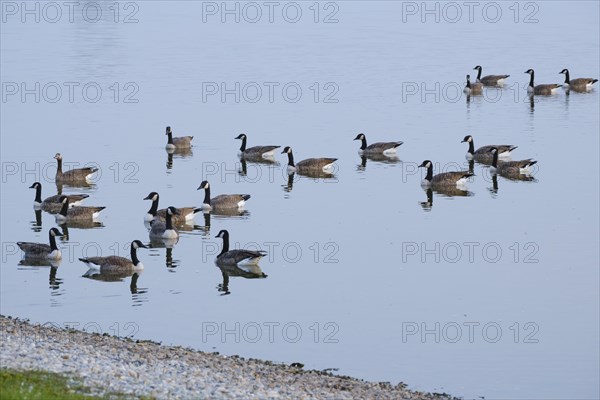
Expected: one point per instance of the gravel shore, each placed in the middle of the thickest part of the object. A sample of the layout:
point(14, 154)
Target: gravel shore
point(111, 364)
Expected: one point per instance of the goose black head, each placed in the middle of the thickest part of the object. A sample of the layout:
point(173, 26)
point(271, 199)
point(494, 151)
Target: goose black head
point(168, 130)
point(55, 232)
point(152, 196)
point(241, 136)
point(467, 139)
point(137, 244)
point(564, 71)
point(172, 211)
point(222, 233)
point(35, 185)
point(529, 71)
point(360, 136)
point(478, 67)
point(57, 156)
point(493, 150)
point(63, 199)
point(425, 164)
point(286, 149)
point(203, 185)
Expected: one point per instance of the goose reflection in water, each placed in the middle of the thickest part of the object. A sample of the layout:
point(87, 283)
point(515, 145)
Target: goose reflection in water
point(53, 281)
point(121, 276)
point(79, 225)
point(36, 225)
point(245, 160)
point(248, 272)
point(448, 192)
point(378, 158)
point(177, 153)
point(515, 178)
point(79, 185)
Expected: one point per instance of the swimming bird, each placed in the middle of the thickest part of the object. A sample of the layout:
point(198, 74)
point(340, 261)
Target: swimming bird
point(164, 229)
point(510, 168)
point(237, 257)
point(183, 142)
point(67, 214)
point(74, 175)
point(544, 89)
point(578, 84)
point(42, 251)
point(186, 214)
point(309, 165)
point(222, 201)
point(483, 153)
point(52, 204)
point(445, 178)
point(473, 88)
point(490, 80)
point(256, 151)
point(116, 263)
point(377, 148)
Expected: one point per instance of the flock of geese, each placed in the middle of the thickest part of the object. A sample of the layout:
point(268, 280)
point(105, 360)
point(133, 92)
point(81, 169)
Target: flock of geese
point(163, 223)
point(545, 89)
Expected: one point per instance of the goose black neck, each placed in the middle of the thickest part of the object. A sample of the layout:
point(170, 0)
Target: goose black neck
point(207, 196)
point(429, 175)
point(471, 147)
point(478, 74)
point(495, 160)
point(364, 143)
point(243, 147)
point(531, 79)
point(169, 221)
point(52, 241)
point(291, 159)
point(468, 83)
point(64, 208)
point(154, 207)
point(567, 78)
point(59, 167)
point(38, 194)
point(170, 135)
point(134, 258)
point(225, 243)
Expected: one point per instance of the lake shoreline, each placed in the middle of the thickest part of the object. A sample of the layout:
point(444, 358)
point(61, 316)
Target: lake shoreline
point(144, 368)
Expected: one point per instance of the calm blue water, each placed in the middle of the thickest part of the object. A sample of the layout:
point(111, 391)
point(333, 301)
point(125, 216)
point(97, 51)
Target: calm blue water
point(493, 294)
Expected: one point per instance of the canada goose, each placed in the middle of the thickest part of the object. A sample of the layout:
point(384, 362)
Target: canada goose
point(222, 201)
point(185, 213)
point(42, 251)
point(236, 257)
point(483, 153)
point(164, 229)
point(510, 168)
point(472, 88)
point(52, 204)
point(490, 80)
point(183, 142)
point(546, 89)
point(309, 165)
point(116, 263)
point(256, 151)
point(67, 214)
point(445, 178)
point(579, 84)
point(377, 148)
point(73, 175)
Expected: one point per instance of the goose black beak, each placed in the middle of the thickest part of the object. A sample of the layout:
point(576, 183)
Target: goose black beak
point(462, 141)
point(146, 198)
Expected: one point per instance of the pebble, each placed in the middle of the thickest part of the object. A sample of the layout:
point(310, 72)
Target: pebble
point(106, 363)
